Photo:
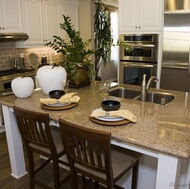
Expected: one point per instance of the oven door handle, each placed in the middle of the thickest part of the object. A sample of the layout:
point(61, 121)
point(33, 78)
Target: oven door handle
point(140, 45)
point(137, 65)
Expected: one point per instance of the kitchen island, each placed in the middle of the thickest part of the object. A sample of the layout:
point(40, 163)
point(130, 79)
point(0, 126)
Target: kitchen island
point(161, 132)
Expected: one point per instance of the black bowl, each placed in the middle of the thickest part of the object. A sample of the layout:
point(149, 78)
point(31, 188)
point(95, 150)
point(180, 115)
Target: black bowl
point(110, 105)
point(56, 94)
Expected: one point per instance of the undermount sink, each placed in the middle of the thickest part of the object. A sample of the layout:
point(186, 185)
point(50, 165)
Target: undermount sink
point(124, 92)
point(157, 97)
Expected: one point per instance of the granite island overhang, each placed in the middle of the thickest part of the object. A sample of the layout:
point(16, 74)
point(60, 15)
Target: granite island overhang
point(161, 131)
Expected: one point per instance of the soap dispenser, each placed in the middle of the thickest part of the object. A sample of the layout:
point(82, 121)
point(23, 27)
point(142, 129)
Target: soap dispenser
point(143, 88)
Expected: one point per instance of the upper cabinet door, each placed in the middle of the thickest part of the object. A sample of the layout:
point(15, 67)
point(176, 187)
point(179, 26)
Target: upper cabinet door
point(10, 16)
point(151, 14)
point(72, 12)
point(42, 20)
point(140, 15)
point(128, 18)
point(51, 20)
point(33, 23)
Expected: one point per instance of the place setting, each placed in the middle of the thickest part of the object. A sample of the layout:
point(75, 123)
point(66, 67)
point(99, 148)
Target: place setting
point(110, 112)
point(59, 100)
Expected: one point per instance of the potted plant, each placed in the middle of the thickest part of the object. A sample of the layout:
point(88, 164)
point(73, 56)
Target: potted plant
point(102, 35)
point(77, 61)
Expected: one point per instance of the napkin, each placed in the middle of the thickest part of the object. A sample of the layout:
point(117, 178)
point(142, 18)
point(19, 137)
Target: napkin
point(118, 113)
point(67, 98)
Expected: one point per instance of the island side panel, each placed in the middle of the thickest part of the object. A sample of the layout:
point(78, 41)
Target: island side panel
point(168, 172)
point(14, 143)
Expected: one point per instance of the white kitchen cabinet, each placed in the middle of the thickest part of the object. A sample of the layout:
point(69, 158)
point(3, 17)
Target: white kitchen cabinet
point(33, 21)
point(72, 12)
point(51, 13)
point(42, 20)
point(140, 16)
point(11, 16)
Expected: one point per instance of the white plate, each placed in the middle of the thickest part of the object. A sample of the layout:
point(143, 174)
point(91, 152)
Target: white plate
point(105, 118)
point(58, 105)
point(108, 118)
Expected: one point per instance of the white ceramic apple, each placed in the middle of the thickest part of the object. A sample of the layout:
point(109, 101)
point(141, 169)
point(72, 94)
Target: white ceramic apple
point(51, 78)
point(22, 87)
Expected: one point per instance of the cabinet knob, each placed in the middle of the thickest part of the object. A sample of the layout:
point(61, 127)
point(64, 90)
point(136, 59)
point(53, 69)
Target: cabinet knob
point(3, 28)
point(135, 26)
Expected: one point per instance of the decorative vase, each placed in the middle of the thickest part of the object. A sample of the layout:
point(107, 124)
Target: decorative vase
point(22, 87)
point(51, 78)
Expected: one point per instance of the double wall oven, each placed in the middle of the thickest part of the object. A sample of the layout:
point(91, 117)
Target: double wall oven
point(138, 56)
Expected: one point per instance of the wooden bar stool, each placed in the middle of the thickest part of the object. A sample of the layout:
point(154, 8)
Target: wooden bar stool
point(39, 137)
point(90, 154)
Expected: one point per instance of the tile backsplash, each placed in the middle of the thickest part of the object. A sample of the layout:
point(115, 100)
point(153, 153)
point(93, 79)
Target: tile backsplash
point(8, 50)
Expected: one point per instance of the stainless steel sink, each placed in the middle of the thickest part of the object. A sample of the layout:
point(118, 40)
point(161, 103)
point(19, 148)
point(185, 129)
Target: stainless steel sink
point(158, 97)
point(124, 92)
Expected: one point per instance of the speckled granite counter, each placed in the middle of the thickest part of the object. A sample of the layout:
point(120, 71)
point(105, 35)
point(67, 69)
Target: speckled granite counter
point(163, 128)
point(161, 134)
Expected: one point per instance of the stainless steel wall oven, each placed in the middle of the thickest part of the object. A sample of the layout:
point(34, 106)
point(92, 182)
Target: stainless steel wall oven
point(140, 57)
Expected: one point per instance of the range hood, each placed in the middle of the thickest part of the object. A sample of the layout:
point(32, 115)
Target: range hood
point(14, 36)
point(177, 6)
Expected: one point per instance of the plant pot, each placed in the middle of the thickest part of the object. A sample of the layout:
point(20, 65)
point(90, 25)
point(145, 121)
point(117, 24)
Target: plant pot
point(80, 82)
point(98, 78)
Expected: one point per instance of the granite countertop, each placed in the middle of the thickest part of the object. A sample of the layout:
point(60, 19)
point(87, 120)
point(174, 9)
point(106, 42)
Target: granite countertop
point(163, 128)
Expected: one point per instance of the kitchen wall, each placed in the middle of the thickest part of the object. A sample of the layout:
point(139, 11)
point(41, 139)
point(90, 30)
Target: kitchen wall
point(8, 50)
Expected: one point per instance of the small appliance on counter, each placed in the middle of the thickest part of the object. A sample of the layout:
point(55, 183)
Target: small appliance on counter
point(18, 63)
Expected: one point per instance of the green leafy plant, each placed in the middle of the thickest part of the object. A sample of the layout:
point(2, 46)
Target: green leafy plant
point(103, 38)
point(102, 34)
point(76, 52)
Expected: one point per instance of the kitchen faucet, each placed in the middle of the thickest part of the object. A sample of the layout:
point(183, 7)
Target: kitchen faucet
point(145, 86)
point(153, 78)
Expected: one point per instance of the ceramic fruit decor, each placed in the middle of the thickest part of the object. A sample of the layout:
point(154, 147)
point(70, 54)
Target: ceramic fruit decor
point(22, 87)
point(51, 78)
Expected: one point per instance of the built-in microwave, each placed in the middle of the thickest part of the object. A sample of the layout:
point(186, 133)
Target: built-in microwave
point(142, 48)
